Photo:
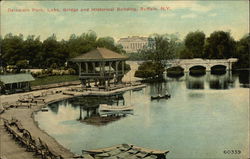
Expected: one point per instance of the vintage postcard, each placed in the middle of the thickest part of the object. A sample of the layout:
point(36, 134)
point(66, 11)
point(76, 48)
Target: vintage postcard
point(124, 79)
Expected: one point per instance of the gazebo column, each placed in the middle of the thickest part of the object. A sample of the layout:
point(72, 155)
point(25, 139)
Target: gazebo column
point(86, 67)
point(116, 71)
point(103, 73)
point(93, 65)
point(94, 72)
point(80, 68)
point(110, 63)
point(123, 63)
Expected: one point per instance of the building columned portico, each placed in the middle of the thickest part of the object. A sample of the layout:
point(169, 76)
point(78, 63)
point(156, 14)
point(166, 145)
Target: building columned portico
point(100, 66)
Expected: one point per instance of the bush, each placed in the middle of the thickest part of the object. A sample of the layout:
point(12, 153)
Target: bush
point(54, 66)
point(175, 71)
point(71, 71)
point(149, 70)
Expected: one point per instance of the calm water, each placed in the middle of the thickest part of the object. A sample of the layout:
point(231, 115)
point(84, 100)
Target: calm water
point(205, 116)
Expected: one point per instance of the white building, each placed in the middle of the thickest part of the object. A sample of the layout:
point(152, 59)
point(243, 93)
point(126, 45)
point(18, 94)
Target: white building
point(133, 44)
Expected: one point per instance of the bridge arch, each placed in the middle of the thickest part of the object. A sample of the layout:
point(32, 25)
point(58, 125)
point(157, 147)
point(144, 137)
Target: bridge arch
point(188, 67)
point(220, 64)
point(197, 70)
point(219, 69)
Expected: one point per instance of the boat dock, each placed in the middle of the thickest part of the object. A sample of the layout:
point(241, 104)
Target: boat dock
point(124, 151)
point(78, 91)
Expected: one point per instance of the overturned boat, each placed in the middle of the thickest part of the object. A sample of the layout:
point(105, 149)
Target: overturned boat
point(125, 151)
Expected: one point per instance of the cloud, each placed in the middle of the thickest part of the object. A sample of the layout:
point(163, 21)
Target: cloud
point(189, 16)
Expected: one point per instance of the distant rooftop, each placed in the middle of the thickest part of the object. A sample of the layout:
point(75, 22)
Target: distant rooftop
point(99, 54)
point(133, 38)
point(16, 78)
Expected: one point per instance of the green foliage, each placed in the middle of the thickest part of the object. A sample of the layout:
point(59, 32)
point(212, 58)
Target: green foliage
point(53, 66)
point(219, 45)
point(136, 56)
point(149, 70)
point(242, 52)
point(185, 54)
point(51, 52)
point(109, 43)
point(22, 64)
point(161, 47)
point(175, 71)
point(194, 43)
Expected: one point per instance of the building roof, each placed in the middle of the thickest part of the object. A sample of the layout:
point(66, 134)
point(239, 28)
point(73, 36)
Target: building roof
point(99, 54)
point(16, 78)
point(133, 39)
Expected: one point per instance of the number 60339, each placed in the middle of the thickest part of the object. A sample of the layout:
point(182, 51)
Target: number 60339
point(232, 151)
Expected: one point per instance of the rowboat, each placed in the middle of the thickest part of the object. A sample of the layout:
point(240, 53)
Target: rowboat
point(110, 108)
point(166, 96)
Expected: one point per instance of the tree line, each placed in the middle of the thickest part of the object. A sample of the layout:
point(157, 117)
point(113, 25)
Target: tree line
point(50, 53)
point(219, 45)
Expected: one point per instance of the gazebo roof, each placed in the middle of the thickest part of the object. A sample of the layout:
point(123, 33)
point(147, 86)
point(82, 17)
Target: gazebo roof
point(99, 54)
point(16, 78)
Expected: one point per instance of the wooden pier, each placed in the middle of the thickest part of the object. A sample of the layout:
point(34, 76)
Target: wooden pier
point(124, 151)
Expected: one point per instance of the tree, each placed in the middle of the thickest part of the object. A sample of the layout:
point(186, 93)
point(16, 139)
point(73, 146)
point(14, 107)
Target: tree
point(21, 64)
point(32, 47)
point(242, 52)
point(219, 45)
point(163, 47)
point(149, 70)
point(185, 54)
point(194, 43)
point(12, 48)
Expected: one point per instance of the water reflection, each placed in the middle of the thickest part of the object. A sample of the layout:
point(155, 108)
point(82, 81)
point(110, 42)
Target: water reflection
point(159, 88)
point(213, 81)
point(193, 82)
point(88, 109)
point(244, 78)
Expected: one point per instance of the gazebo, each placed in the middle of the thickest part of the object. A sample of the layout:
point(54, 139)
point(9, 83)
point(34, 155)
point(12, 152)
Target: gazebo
point(100, 66)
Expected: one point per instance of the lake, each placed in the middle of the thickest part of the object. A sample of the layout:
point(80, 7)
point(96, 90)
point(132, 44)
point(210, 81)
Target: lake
point(205, 116)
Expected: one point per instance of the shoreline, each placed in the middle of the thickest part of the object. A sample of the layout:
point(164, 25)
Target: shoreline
point(27, 115)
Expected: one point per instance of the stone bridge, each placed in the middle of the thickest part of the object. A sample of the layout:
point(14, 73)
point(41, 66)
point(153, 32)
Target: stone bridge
point(186, 64)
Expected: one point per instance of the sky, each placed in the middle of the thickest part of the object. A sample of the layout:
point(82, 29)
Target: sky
point(179, 17)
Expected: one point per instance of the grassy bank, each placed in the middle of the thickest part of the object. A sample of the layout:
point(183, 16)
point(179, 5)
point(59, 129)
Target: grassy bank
point(54, 79)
